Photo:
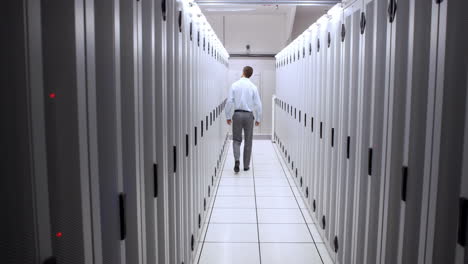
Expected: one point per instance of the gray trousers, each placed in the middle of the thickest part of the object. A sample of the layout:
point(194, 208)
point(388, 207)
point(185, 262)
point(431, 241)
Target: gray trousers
point(242, 121)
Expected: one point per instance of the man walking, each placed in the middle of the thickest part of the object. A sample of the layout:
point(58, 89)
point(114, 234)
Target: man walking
point(242, 109)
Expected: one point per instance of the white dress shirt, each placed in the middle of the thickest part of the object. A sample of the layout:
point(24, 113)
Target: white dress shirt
point(243, 95)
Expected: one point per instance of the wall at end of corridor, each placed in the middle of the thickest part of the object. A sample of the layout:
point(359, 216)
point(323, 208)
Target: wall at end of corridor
point(265, 78)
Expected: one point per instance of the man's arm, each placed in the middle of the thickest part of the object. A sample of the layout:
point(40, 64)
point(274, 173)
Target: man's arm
point(257, 108)
point(230, 105)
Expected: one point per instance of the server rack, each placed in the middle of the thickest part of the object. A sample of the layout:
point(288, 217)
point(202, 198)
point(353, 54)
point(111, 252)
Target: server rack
point(25, 223)
point(446, 95)
point(118, 172)
point(379, 89)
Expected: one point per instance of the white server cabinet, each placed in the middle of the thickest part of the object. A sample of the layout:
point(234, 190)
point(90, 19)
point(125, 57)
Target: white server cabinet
point(132, 198)
point(161, 166)
point(334, 44)
point(368, 169)
point(173, 220)
point(394, 191)
point(412, 169)
point(353, 23)
point(198, 74)
point(404, 114)
point(153, 68)
point(183, 34)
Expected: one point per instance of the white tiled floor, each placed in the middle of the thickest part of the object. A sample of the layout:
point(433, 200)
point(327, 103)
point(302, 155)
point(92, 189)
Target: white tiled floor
point(258, 218)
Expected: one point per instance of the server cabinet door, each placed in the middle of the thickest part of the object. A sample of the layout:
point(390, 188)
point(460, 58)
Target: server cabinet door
point(353, 20)
point(394, 125)
point(70, 130)
point(131, 114)
point(315, 123)
point(25, 224)
point(327, 129)
point(412, 169)
point(322, 148)
point(461, 254)
point(175, 9)
point(184, 147)
point(161, 134)
point(151, 72)
point(171, 132)
point(369, 146)
point(335, 71)
point(108, 92)
point(308, 121)
point(448, 67)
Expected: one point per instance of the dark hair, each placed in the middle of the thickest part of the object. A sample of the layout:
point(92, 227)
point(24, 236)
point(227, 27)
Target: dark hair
point(247, 71)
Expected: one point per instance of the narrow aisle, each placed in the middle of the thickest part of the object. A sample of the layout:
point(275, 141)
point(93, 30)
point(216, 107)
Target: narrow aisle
point(259, 216)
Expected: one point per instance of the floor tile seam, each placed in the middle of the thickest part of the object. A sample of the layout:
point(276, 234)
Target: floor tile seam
point(256, 210)
point(232, 195)
point(233, 223)
point(224, 242)
point(211, 208)
point(236, 223)
point(259, 243)
point(263, 184)
point(308, 228)
point(268, 196)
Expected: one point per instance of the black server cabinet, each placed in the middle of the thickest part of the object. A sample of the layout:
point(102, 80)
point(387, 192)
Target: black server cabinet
point(443, 224)
point(25, 222)
point(69, 80)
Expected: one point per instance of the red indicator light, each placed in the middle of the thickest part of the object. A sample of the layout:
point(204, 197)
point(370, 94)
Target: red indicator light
point(52, 95)
point(59, 234)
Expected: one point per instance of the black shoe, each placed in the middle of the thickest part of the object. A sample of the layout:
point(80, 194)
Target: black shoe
point(246, 169)
point(236, 167)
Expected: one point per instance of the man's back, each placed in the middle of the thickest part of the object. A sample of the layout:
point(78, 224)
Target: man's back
point(243, 95)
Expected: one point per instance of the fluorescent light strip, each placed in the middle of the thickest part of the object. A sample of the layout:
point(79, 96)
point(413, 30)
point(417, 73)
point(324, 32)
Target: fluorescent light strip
point(269, 2)
point(229, 9)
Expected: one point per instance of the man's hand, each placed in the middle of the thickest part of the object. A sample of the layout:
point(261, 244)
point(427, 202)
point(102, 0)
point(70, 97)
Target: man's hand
point(229, 121)
point(257, 123)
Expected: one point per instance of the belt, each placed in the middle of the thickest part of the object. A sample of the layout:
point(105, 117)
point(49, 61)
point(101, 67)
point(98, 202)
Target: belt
point(243, 111)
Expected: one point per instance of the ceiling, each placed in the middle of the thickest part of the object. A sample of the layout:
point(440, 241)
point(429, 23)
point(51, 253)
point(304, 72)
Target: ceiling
point(273, 2)
point(286, 19)
point(245, 9)
point(306, 16)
